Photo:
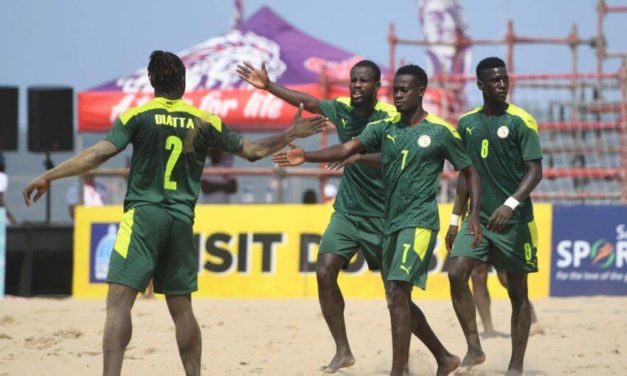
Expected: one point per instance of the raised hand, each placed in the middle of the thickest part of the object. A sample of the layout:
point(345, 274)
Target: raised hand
point(39, 184)
point(305, 127)
point(256, 77)
point(293, 157)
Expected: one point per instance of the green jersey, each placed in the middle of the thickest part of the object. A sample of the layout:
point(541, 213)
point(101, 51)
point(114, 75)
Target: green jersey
point(413, 159)
point(499, 146)
point(170, 140)
point(361, 186)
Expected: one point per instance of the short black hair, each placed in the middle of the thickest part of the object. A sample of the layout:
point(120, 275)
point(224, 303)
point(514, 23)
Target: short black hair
point(489, 62)
point(371, 65)
point(415, 71)
point(166, 70)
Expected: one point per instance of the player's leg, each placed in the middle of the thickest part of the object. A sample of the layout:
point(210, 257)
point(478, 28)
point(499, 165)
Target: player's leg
point(332, 305)
point(176, 276)
point(131, 266)
point(536, 327)
point(188, 337)
point(481, 295)
point(515, 251)
point(337, 246)
point(462, 261)
point(405, 263)
point(118, 327)
point(521, 320)
point(398, 296)
point(447, 362)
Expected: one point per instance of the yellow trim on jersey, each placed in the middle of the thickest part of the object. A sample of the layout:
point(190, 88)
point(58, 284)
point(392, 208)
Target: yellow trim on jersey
point(529, 121)
point(387, 108)
point(176, 105)
point(344, 100)
point(123, 239)
point(422, 237)
point(395, 118)
point(473, 111)
point(431, 118)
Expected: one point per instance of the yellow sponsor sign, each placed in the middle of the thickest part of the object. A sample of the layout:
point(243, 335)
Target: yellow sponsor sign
point(267, 251)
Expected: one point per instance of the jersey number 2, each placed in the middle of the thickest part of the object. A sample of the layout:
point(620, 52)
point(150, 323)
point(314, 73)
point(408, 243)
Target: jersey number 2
point(176, 145)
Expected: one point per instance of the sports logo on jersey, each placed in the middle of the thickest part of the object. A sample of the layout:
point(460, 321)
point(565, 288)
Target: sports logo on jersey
point(469, 130)
point(343, 122)
point(503, 131)
point(390, 137)
point(424, 141)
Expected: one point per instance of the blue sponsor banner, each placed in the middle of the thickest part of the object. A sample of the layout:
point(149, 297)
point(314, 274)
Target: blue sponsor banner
point(101, 245)
point(589, 250)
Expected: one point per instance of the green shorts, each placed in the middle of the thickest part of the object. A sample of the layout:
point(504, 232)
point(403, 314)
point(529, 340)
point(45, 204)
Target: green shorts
point(151, 243)
point(406, 255)
point(346, 233)
point(512, 250)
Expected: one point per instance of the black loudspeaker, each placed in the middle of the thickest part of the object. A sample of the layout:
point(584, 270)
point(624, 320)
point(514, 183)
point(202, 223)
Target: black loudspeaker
point(8, 118)
point(50, 119)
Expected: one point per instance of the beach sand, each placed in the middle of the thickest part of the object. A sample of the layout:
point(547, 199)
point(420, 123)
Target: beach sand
point(42, 336)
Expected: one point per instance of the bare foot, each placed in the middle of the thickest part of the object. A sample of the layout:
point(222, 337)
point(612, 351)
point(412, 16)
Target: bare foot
point(536, 328)
point(448, 365)
point(470, 360)
point(339, 361)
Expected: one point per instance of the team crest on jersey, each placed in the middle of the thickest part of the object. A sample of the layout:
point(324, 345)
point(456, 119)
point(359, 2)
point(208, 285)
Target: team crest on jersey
point(503, 131)
point(424, 141)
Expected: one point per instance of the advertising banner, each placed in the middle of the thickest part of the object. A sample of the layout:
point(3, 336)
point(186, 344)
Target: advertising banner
point(589, 251)
point(269, 251)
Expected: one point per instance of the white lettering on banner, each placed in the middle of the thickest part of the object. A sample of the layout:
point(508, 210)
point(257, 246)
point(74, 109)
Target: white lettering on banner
point(580, 250)
point(263, 106)
point(213, 102)
point(621, 253)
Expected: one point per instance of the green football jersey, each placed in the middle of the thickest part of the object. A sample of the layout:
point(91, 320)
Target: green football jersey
point(361, 186)
point(413, 159)
point(499, 146)
point(170, 140)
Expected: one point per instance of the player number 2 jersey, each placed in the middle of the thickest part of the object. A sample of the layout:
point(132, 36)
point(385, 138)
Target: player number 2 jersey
point(170, 140)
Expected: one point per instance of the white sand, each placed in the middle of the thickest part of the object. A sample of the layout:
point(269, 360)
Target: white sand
point(584, 336)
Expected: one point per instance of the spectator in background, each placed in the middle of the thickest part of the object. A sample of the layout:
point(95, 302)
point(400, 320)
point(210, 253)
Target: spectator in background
point(94, 194)
point(217, 188)
point(4, 183)
point(310, 197)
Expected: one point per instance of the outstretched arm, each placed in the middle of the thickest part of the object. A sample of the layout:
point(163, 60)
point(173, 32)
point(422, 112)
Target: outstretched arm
point(369, 159)
point(86, 160)
point(298, 156)
point(529, 182)
point(259, 79)
point(300, 128)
